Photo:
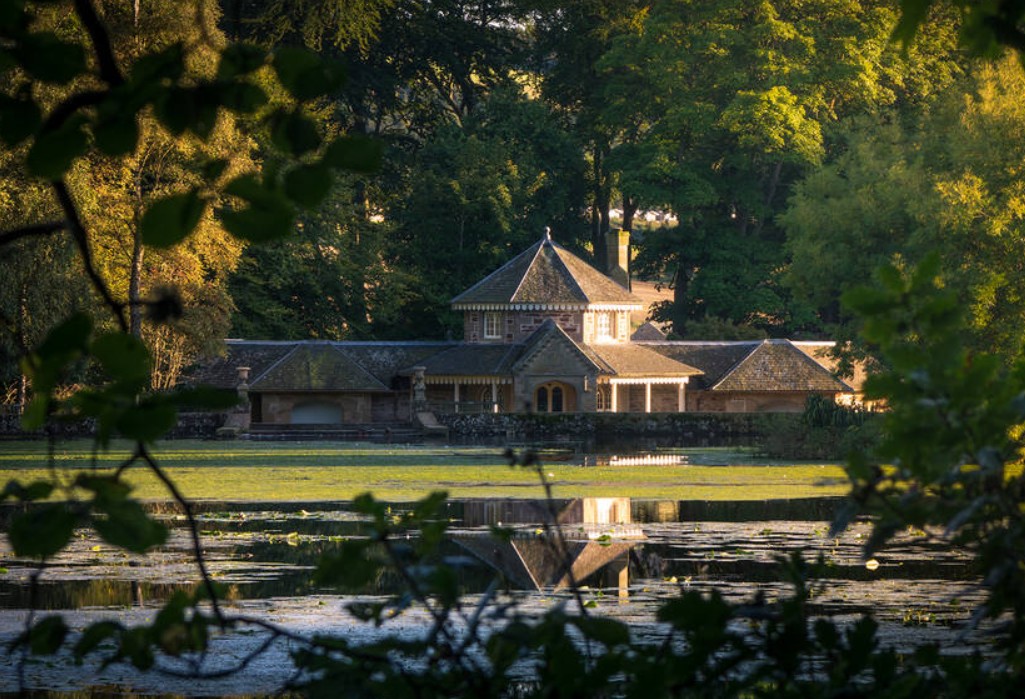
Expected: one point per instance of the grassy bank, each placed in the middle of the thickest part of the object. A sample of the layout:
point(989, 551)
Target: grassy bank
point(299, 472)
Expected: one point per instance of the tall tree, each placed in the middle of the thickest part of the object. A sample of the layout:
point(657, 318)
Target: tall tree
point(729, 103)
point(951, 183)
point(570, 41)
point(482, 191)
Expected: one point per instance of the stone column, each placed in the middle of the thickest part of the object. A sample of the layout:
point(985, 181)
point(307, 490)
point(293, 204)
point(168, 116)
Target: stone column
point(243, 384)
point(419, 389)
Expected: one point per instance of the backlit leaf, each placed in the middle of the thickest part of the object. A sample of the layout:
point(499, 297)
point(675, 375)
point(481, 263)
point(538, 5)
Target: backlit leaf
point(46, 57)
point(94, 635)
point(147, 422)
point(42, 531)
point(308, 185)
point(53, 151)
point(116, 135)
point(355, 153)
point(166, 64)
point(267, 215)
point(306, 75)
point(171, 219)
point(19, 119)
point(294, 133)
point(123, 357)
point(240, 59)
point(127, 525)
point(36, 490)
point(47, 635)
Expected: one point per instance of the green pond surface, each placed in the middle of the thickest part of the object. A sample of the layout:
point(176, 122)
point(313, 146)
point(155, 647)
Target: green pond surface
point(321, 471)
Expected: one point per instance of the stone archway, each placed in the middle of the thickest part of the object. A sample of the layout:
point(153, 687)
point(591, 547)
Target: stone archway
point(555, 397)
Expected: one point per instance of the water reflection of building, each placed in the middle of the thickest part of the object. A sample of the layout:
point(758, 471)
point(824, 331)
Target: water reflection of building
point(668, 459)
point(553, 544)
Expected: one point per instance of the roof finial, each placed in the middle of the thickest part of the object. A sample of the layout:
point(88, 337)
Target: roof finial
point(548, 234)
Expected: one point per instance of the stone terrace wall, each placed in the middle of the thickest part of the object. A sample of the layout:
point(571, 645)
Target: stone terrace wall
point(699, 429)
point(190, 426)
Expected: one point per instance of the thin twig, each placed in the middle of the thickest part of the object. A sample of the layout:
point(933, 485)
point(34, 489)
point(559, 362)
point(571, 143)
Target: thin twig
point(109, 71)
point(35, 230)
point(77, 228)
point(193, 530)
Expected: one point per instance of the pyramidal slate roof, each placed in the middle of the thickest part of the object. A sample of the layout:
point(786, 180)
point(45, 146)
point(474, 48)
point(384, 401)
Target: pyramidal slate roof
point(317, 367)
point(776, 365)
point(545, 275)
point(768, 365)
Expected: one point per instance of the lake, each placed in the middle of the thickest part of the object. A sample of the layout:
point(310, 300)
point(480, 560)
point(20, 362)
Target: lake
point(625, 554)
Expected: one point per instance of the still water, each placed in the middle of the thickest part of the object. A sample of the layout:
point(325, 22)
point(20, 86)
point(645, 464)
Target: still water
point(625, 555)
point(635, 550)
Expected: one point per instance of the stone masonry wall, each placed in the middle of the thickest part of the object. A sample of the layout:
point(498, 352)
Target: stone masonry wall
point(699, 429)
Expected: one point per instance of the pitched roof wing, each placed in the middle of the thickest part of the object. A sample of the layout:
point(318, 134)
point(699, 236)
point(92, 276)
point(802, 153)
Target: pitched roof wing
point(714, 359)
point(636, 360)
point(545, 274)
point(472, 360)
point(222, 372)
point(549, 335)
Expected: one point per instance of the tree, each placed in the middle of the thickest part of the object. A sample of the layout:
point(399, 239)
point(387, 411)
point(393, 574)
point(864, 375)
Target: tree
point(730, 103)
point(570, 40)
point(483, 191)
point(949, 183)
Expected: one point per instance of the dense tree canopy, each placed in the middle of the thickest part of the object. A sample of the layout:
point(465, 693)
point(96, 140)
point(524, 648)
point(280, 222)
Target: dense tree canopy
point(948, 182)
point(502, 117)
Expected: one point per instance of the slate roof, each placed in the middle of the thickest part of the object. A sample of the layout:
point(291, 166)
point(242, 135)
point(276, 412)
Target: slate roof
point(821, 352)
point(545, 274)
point(630, 360)
point(385, 360)
point(472, 360)
point(377, 363)
point(316, 367)
point(545, 337)
point(769, 365)
point(222, 372)
point(714, 359)
point(648, 332)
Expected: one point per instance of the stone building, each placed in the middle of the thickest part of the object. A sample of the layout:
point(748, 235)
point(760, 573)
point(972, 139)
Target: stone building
point(546, 332)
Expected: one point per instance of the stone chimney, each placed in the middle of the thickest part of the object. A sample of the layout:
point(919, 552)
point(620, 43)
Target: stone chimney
point(617, 247)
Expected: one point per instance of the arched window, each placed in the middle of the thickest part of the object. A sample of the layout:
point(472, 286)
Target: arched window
point(554, 397)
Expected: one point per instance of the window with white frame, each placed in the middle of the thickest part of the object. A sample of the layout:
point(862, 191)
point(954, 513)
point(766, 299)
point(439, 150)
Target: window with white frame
point(603, 326)
point(492, 325)
point(622, 327)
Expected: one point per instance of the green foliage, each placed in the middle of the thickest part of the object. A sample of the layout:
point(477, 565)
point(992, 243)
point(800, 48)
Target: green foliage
point(766, 85)
point(824, 430)
point(904, 189)
point(951, 437)
point(988, 26)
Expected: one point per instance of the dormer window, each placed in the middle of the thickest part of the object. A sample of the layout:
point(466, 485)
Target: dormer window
point(492, 325)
